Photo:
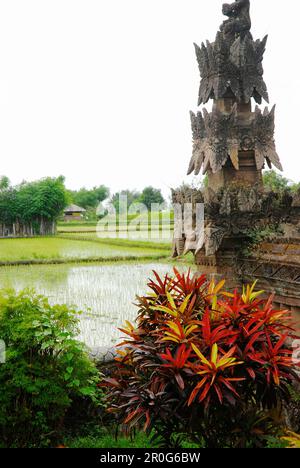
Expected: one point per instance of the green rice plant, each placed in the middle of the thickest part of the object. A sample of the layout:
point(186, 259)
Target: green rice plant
point(54, 248)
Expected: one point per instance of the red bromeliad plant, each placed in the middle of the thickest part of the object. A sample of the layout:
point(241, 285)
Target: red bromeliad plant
point(203, 361)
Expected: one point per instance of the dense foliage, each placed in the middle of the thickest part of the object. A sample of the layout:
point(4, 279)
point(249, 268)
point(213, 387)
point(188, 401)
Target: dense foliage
point(277, 183)
point(89, 198)
point(151, 196)
point(29, 203)
point(132, 196)
point(203, 362)
point(46, 370)
point(148, 196)
point(4, 183)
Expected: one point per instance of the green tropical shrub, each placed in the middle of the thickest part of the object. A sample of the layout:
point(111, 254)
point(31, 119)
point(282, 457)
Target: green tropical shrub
point(204, 363)
point(46, 369)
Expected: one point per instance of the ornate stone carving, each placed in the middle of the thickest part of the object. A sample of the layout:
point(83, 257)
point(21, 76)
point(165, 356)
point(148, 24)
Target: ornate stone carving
point(232, 211)
point(218, 136)
point(231, 144)
point(233, 63)
point(270, 271)
point(185, 236)
point(212, 140)
point(239, 17)
point(263, 132)
point(211, 239)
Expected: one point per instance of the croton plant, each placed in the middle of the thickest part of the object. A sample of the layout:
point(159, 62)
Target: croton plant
point(205, 362)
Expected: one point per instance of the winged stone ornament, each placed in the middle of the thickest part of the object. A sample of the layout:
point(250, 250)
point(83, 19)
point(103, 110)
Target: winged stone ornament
point(213, 141)
point(263, 129)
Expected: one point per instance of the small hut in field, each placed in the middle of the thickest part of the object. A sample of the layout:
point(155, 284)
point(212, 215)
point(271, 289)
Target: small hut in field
point(74, 213)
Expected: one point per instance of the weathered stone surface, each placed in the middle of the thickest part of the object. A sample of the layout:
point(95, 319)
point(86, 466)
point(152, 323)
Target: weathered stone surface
point(232, 143)
point(263, 135)
point(296, 200)
point(278, 272)
point(239, 20)
point(185, 236)
point(218, 136)
point(235, 210)
point(248, 233)
point(233, 63)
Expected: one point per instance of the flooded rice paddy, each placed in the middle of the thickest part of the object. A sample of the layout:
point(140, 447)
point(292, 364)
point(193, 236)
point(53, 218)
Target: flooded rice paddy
point(104, 292)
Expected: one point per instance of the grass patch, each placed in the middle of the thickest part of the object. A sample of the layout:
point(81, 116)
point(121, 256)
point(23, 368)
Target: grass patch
point(93, 436)
point(101, 438)
point(73, 224)
point(57, 249)
point(118, 242)
point(161, 221)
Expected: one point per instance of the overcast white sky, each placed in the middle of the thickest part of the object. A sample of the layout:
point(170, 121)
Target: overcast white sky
point(100, 90)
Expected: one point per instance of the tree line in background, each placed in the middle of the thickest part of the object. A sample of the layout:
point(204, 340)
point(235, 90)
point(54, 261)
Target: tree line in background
point(90, 199)
point(277, 183)
point(147, 197)
point(31, 208)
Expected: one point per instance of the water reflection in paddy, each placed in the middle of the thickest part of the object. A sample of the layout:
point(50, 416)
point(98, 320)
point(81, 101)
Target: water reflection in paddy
point(105, 293)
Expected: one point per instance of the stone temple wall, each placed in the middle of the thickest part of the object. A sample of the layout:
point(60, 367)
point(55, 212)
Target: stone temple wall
point(275, 264)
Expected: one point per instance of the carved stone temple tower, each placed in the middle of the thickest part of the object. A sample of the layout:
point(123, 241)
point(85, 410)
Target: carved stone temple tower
point(249, 233)
point(233, 142)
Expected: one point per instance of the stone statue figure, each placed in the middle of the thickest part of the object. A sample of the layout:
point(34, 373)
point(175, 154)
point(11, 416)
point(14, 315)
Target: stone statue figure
point(239, 17)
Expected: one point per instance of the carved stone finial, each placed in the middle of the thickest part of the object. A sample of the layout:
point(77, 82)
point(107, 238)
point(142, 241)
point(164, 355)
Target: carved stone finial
point(233, 63)
point(239, 21)
point(232, 136)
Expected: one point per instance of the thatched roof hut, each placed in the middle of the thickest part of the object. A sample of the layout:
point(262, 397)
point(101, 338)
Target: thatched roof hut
point(74, 213)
